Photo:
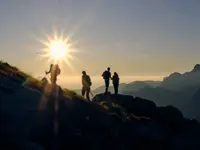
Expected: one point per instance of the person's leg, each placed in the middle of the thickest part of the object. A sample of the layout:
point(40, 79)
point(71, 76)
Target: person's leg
point(83, 92)
point(53, 79)
point(117, 86)
point(106, 89)
point(107, 85)
point(88, 94)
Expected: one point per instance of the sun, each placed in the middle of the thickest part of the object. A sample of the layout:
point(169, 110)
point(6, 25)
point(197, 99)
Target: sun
point(58, 49)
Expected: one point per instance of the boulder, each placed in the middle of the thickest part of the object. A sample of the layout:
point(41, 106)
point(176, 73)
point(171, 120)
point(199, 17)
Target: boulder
point(137, 106)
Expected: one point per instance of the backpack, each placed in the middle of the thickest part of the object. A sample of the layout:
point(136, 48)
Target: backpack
point(86, 81)
point(89, 81)
point(106, 75)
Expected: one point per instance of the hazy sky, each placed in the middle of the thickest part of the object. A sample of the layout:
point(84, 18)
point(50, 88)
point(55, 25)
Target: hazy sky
point(147, 38)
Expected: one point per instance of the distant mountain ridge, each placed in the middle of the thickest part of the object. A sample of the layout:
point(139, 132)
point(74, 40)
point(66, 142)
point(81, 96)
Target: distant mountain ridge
point(180, 90)
point(177, 81)
point(196, 68)
point(129, 87)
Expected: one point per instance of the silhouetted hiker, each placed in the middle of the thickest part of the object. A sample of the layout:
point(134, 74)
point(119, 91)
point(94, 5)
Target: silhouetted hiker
point(107, 75)
point(86, 82)
point(115, 79)
point(55, 71)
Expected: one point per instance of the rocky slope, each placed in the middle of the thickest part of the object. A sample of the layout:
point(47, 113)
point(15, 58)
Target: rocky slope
point(38, 116)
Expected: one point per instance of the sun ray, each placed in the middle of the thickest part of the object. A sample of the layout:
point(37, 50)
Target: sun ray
point(74, 50)
point(58, 49)
point(70, 56)
point(67, 39)
point(45, 43)
point(69, 64)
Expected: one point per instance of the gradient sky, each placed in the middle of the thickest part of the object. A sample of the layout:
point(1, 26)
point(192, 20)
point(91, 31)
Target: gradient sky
point(145, 38)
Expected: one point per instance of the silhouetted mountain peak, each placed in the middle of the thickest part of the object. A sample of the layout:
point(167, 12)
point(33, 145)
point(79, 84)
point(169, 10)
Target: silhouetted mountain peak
point(178, 82)
point(174, 75)
point(196, 68)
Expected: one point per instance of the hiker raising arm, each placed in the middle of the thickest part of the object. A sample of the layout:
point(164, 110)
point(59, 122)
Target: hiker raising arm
point(54, 72)
point(49, 69)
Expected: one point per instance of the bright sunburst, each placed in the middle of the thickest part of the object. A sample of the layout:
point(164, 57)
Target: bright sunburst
point(57, 49)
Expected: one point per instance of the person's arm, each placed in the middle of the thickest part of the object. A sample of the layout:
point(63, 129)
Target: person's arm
point(49, 70)
point(82, 80)
point(110, 76)
point(102, 74)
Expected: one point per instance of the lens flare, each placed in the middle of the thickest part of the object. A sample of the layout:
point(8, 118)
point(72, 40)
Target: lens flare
point(57, 49)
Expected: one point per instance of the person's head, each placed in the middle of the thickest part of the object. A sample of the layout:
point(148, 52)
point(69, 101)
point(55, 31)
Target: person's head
point(115, 73)
point(83, 72)
point(108, 68)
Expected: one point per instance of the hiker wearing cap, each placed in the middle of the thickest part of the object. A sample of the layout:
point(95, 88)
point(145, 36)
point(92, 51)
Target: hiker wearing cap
point(86, 83)
point(54, 72)
point(106, 76)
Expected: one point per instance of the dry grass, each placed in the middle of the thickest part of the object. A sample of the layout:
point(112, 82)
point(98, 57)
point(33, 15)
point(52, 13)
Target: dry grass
point(14, 73)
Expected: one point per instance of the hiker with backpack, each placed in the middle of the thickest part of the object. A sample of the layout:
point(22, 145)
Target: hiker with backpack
point(115, 80)
point(54, 72)
point(86, 83)
point(106, 76)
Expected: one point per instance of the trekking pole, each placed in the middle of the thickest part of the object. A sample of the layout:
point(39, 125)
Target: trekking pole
point(91, 94)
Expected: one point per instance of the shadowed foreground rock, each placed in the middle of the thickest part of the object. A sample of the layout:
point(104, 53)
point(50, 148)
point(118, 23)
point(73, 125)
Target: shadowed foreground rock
point(47, 120)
